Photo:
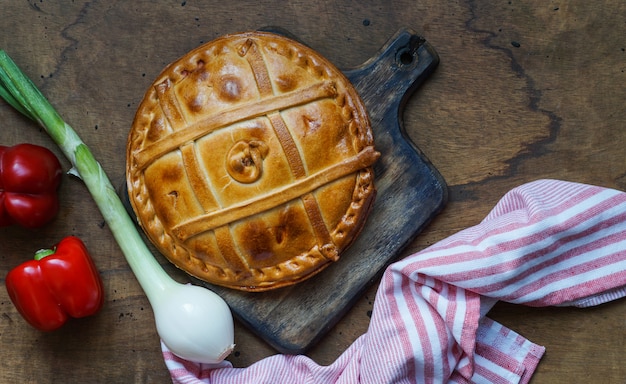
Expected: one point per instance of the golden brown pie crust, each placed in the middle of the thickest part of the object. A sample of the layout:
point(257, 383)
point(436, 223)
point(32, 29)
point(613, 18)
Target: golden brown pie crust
point(249, 162)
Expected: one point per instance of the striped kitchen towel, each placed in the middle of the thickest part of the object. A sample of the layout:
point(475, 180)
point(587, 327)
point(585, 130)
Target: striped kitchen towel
point(546, 243)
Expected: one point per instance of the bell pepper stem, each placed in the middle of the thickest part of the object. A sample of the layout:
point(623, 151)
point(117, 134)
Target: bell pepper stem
point(40, 254)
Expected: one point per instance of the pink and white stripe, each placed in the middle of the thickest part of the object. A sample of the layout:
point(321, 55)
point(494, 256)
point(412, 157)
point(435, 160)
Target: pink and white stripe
point(545, 243)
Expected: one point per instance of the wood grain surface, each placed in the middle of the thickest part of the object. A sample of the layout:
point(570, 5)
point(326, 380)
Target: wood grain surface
point(524, 90)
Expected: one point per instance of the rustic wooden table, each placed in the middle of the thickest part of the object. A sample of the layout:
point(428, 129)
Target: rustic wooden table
point(525, 90)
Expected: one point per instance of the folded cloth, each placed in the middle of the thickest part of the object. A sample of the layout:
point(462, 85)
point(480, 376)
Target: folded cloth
point(546, 243)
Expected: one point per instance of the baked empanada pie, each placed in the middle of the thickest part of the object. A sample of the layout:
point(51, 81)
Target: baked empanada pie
point(249, 162)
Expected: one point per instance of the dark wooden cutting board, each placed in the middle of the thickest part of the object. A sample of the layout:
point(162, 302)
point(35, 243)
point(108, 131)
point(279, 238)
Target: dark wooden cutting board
point(410, 192)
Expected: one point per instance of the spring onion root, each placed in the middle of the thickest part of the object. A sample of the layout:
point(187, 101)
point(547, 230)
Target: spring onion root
point(193, 322)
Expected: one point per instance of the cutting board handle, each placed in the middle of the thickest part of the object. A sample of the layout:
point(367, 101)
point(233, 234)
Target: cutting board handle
point(392, 75)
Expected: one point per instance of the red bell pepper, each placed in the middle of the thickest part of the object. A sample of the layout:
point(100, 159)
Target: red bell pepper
point(58, 284)
point(29, 179)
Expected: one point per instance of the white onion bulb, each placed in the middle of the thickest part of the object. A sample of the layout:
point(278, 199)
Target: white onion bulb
point(194, 323)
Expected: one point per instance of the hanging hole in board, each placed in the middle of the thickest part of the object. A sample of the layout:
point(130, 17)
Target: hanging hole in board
point(405, 57)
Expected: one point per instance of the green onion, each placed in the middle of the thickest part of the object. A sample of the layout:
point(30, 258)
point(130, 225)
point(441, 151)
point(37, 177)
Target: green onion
point(193, 322)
